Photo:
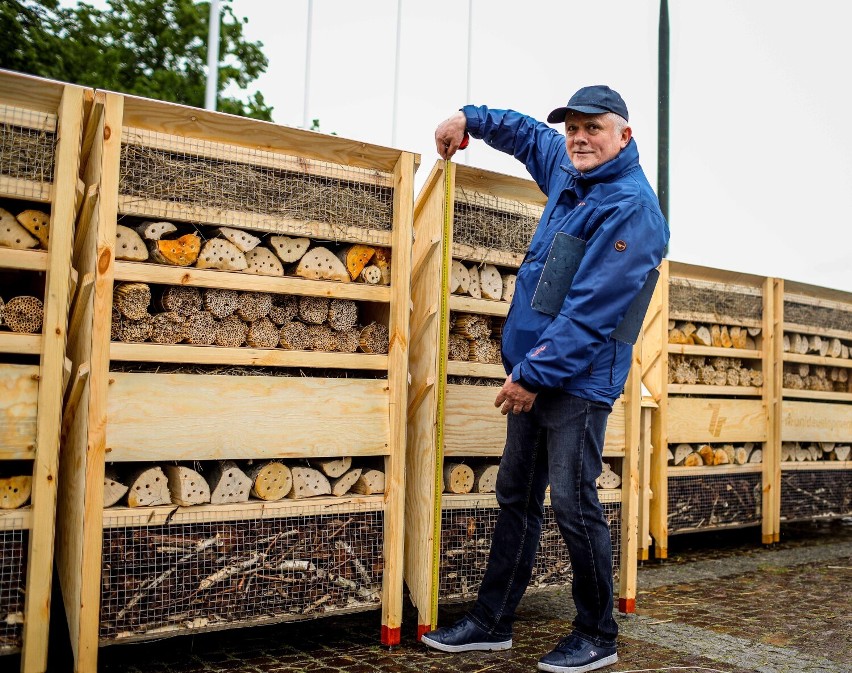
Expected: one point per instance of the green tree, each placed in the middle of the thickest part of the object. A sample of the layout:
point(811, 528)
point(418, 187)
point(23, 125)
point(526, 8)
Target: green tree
point(153, 48)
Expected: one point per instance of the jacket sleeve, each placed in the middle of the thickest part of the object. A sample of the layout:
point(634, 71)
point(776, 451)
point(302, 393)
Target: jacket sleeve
point(535, 144)
point(619, 255)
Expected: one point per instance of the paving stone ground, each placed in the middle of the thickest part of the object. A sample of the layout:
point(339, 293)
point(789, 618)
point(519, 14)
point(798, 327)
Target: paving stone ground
point(721, 602)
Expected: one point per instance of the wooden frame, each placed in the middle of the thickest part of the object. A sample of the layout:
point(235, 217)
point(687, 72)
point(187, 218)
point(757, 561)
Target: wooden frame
point(808, 416)
point(34, 436)
point(108, 426)
point(694, 413)
point(473, 427)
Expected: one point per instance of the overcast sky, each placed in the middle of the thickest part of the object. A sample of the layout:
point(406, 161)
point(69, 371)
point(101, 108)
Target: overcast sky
point(761, 159)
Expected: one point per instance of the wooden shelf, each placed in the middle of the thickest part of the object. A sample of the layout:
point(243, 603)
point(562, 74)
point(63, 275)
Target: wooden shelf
point(129, 517)
point(475, 369)
point(23, 260)
point(480, 306)
point(16, 519)
point(489, 500)
point(701, 470)
point(819, 331)
point(187, 212)
point(710, 351)
point(816, 465)
point(229, 280)
point(817, 395)
point(697, 389)
point(260, 357)
point(817, 360)
point(20, 344)
point(28, 190)
point(469, 253)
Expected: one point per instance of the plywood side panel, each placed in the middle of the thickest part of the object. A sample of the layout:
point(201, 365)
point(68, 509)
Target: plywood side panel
point(18, 407)
point(815, 422)
point(174, 416)
point(696, 419)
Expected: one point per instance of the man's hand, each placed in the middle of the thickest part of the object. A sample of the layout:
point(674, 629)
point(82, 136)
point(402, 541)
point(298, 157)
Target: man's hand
point(514, 397)
point(449, 135)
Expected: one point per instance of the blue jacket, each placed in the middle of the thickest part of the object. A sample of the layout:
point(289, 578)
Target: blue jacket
point(614, 210)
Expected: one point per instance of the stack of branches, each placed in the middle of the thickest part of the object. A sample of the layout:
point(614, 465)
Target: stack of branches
point(470, 338)
point(13, 567)
point(482, 281)
point(799, 376)
point(228, 481)
point(814, 494)
point(695, 455)
point(194, 575)
point(713, 501)
point(23, 314)
point(712, 371)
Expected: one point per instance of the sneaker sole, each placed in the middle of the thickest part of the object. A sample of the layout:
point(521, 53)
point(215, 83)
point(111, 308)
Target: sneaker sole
point(600, 663)
point(469, 647)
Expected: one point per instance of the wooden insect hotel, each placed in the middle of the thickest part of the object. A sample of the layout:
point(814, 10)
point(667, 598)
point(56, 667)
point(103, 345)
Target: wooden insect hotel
point(707, 359)
point(237, 453)
point(815, 467)
point(41, 126)
point(450, 502)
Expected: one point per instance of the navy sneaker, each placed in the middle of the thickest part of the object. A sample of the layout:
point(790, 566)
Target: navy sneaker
point(575, 655)
point(465, 636)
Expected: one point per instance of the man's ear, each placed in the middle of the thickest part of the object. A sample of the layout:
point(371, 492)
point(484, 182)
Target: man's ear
point(626, 135)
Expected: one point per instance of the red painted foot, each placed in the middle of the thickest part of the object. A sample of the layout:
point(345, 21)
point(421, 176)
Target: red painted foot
point(422, 629)
point(390, 637)
point(627, 605)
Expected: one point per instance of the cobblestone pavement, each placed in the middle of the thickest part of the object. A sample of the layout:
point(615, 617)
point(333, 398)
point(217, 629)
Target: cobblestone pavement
point(721, 602)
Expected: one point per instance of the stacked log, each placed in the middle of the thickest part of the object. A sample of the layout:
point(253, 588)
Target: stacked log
point(712, 371)
point(15, 491)
point(481, 281)
point(813, 344)
point(697, 455)
point(713, 334)
point(471, 338)
point(792, 452)
point(798, 376)
point(222, 482)
point(224, 249)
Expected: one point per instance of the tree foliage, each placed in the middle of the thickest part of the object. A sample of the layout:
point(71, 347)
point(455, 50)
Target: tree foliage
point(153, 48)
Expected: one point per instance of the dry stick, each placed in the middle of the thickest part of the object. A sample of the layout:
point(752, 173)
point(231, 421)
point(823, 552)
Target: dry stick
point(139, 595)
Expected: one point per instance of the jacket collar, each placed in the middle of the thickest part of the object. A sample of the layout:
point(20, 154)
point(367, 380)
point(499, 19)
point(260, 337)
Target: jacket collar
point(624, 161)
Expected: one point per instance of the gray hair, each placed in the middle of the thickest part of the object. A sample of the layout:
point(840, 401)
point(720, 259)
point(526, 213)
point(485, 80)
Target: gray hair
point(619, 122)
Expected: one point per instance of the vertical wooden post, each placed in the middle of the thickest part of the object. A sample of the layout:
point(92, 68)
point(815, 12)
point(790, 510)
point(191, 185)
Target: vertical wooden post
point(54, 334)
point(630, 485)
point(773, 395)
point(400, 310)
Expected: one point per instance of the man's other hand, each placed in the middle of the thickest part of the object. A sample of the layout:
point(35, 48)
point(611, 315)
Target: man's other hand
point(514, 397)
point(449, 135)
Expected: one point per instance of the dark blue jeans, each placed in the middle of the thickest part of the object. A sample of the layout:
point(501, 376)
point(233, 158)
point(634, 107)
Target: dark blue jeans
point(559, 441)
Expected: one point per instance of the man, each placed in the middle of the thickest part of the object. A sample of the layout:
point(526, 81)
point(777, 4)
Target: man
point(567, 355)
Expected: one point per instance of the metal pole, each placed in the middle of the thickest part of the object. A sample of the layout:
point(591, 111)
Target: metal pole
point(396, 71)
point(212, 89)
point(305, 117)
point(467, 100)
point(663, 111)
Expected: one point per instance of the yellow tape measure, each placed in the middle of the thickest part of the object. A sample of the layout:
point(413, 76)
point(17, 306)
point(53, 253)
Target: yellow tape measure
point(443, 330)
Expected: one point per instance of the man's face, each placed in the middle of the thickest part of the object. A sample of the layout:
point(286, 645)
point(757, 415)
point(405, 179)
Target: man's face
point(593, 140)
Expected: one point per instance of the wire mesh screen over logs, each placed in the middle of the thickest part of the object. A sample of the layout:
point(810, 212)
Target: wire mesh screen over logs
point(713, 501)
point(27, 142)
point(242, 183)
point(466, 541)
point(821, 317)
point(493, 223)
point(812, 494)
point(13, 564)
point(694, 299)
point(197, 575)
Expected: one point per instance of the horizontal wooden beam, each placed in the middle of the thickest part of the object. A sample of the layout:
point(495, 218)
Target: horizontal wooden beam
point(23, 260)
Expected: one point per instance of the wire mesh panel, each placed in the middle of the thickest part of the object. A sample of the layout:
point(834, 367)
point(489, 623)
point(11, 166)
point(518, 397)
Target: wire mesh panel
point(13, 564)
point(481, 220)
point(698, 502)
point(197, 576)
point(27, 145)
point(185, 178)
point(466, 541)
point(814, 494)
point(715, 302)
